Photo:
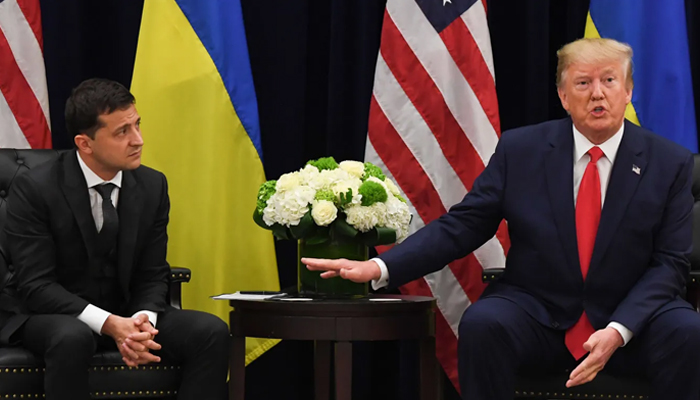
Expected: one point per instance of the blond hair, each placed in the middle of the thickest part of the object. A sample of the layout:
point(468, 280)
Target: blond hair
point(593, 51)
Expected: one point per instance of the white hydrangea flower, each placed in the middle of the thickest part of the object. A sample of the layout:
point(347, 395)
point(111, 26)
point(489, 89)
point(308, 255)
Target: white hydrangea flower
point(326, 178)
point(323, 212)
point(393, 189)
point(288, 207)
point(398, 217)
point(381, 212)
point(361, 218)
point(354, 168)
point(308, 174)
point(288, 181)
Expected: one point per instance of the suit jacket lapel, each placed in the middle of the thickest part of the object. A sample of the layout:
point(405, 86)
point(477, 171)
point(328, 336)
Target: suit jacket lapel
point(129, 211)
point(621, 186)
point(75, 190)
point(559, 162)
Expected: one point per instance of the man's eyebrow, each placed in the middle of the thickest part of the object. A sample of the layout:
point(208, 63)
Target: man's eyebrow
point(120, 127)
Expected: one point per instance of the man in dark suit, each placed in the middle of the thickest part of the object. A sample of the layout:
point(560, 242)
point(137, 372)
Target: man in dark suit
point(87, 239)
point(599, 217)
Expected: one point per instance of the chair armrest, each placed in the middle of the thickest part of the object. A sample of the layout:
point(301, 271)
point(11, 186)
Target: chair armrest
point(693, 289)
point(177, 276)
point(492, 274)
point(694, 278)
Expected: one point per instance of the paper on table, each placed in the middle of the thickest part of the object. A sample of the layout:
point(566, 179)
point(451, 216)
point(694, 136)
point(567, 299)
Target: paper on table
point(247, 296)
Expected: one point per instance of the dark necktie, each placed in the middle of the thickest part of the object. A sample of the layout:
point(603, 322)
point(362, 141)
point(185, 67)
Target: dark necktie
point(588, 206)
point(107, 237)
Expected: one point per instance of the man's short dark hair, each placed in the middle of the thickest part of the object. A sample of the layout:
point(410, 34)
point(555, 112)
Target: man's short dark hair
point(89, 100)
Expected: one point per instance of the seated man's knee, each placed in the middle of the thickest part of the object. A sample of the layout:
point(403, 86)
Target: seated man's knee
point(211, 327)
point(688, 334)
point(74, 338)
point(480, 324)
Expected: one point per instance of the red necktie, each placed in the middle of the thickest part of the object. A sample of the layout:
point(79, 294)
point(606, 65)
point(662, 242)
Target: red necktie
point(588, 206)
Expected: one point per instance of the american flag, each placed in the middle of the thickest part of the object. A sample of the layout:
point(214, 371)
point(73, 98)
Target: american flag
point(24, 99)
point(433, 125)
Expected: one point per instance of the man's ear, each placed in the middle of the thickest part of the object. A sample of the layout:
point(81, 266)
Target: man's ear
point(83, 143)
point(628, 97)
point(562, 98)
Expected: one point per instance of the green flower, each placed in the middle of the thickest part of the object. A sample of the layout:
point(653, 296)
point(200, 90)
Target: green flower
point(324, 163)
point(373, 170)
point(325, 195)
point(372, 192)
point(266, 191)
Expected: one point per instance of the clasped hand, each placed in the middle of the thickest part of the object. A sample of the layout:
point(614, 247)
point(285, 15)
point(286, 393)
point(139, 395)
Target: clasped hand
point(134, 338)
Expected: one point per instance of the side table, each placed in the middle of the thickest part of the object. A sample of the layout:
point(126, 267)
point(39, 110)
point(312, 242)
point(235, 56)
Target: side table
point(334, 325)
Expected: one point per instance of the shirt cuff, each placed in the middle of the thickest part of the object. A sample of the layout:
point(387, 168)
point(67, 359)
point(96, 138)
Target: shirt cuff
point(624, 332)
point(152, 316)
point(383, 278)
point(94, 317)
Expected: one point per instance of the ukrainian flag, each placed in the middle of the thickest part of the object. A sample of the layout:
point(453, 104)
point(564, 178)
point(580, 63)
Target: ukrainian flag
point(662, 100)
point(194, 92)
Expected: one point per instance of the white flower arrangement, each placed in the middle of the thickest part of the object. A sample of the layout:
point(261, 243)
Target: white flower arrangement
point(324, 198)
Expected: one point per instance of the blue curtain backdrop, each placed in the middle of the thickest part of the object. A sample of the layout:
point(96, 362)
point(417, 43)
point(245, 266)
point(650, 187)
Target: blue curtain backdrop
point(313, 64)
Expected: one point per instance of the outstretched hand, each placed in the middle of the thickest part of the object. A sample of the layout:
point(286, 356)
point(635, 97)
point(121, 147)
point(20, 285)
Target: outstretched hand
point(356, 271)
point(601, 345)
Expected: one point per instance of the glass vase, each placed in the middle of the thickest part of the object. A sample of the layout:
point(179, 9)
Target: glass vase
point(310, 283)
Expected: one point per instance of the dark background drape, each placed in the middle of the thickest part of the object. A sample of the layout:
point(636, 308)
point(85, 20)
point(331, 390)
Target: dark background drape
point(313, 65)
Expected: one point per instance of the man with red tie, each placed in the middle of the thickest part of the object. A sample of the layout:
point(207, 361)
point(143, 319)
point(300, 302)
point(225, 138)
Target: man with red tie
point(599, 217)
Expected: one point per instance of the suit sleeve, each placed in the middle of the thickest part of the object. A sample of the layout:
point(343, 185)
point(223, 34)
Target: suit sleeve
point(467, 226)
point(149, 283)
point(33, 252)
point(669, 267)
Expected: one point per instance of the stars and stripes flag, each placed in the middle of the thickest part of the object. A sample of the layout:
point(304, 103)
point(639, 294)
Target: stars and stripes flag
point(433, 125)
point(24, 98)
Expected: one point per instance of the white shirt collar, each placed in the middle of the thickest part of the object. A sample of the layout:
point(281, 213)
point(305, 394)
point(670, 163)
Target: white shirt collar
point(92, 179)
point(609, 147)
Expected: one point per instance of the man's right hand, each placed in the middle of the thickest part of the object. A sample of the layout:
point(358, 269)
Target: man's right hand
point(132, 342)
point(356, 271)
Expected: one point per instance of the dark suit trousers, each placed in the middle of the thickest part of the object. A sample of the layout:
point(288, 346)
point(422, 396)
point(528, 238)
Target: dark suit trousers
point(498, 339)
point(198, 341)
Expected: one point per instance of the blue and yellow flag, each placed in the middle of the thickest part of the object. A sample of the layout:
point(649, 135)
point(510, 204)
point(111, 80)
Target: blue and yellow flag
point(195, 94)
point(662, 99)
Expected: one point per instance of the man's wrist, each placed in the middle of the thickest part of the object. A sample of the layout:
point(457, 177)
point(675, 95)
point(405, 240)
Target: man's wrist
point(94, 317)
point(383, 279)
point(625, 334)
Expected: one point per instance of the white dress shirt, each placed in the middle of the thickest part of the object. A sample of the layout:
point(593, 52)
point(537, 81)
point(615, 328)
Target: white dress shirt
point(92, 315)
point(581, 159)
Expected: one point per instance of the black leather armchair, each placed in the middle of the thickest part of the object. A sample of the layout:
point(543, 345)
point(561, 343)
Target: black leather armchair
point(605, 386)
point(22, 373)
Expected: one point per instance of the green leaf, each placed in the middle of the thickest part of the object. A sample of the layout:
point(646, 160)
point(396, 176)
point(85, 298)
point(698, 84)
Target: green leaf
point(281, 232)
point(378, 236)
point(320, 235)
point(342, 228)
point(306, 225)
point(258, 218)
point(345, 198)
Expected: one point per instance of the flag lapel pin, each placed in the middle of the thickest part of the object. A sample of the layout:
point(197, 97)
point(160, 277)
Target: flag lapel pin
point(636, 169)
